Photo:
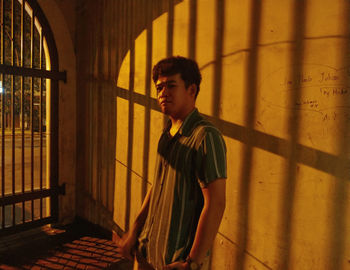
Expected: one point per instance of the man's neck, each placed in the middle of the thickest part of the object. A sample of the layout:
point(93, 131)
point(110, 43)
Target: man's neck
point(175, 126)
point(177, 122)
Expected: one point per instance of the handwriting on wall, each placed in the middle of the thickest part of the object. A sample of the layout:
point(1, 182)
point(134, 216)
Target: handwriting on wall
point(321, 91)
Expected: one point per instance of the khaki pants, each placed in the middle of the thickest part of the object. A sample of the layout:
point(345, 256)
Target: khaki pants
point(140, 263)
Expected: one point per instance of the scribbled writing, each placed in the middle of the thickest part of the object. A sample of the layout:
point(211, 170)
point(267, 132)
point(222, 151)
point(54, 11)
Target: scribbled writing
point(327, 76)
point(299, 80)
point(334, 91)
point(339, 115)
point(307, 102)
point(323, 77)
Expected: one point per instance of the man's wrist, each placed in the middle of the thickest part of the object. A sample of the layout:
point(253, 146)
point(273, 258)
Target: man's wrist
point(192, 265)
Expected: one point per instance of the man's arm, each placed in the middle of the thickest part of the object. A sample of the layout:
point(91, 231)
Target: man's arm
point(209, 221)
point(208, 225)
point(129, 239)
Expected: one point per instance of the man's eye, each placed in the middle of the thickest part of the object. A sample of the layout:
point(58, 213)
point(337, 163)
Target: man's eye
point(168, 86)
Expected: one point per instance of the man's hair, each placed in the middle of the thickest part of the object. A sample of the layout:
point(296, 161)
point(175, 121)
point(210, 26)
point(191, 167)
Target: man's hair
point(187, 68)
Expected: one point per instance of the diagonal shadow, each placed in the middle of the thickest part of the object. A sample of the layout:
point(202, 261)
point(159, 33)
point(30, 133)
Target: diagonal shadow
point(336, 165)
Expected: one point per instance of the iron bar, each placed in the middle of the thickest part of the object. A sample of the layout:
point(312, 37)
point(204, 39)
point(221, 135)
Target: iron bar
point(3, 112)
point(32, 72)
point(31, 195)
point(13, 14)
point(31, 112)
point(22, 105)
point(26, 226)
point(40, 123)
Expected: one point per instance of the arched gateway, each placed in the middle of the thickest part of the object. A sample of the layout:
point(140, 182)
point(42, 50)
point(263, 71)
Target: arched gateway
point(28, 117)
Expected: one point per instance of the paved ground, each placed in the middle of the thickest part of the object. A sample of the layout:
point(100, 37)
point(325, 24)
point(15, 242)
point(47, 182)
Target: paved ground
point(71, 247)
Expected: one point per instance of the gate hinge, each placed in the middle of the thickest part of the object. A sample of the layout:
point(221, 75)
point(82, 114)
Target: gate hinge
point(62, 189)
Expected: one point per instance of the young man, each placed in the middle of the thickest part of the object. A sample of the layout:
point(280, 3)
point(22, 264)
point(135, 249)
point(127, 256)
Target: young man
point(181, 213)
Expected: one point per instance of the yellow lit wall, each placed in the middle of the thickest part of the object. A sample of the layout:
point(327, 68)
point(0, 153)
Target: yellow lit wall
point(276, 83)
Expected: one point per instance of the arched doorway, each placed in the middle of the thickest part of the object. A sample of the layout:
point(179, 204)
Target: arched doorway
point(28, 117)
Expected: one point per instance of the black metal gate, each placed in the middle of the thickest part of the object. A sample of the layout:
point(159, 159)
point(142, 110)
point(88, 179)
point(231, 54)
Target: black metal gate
point(28, 118)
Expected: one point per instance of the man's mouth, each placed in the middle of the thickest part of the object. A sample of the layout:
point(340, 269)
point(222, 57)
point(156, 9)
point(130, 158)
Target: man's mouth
point(164, 102)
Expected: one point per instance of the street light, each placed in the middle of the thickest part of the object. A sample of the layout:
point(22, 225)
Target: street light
point(1, 89)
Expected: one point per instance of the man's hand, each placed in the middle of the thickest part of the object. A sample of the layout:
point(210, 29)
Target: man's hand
point(177, 265)
point(126, 245)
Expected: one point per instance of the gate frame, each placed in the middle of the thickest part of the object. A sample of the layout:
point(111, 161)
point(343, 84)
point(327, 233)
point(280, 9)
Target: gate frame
point(55, 75)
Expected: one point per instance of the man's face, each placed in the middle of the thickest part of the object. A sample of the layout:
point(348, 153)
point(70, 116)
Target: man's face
point(173, 97)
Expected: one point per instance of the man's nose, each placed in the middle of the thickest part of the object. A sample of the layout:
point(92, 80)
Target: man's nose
point(163, 91)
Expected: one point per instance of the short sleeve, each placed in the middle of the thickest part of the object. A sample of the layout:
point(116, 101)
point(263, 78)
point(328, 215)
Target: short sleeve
point(211, 157)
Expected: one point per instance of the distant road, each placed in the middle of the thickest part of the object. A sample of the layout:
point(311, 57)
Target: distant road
point(17, 168)
point(8, 168)
point(18, 140)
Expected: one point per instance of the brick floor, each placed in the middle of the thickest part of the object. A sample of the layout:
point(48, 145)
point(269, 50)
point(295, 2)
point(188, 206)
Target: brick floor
point(49, 248)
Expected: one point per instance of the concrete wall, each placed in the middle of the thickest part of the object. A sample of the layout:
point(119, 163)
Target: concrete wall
point(275, 81)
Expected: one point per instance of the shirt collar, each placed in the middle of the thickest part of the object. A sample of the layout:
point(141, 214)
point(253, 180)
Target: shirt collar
point(187, 124)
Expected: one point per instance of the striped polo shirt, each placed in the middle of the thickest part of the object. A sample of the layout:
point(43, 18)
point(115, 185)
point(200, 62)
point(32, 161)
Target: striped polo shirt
point(187, 162)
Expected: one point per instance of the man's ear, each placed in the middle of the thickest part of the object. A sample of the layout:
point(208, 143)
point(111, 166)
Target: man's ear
point(193, 89)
